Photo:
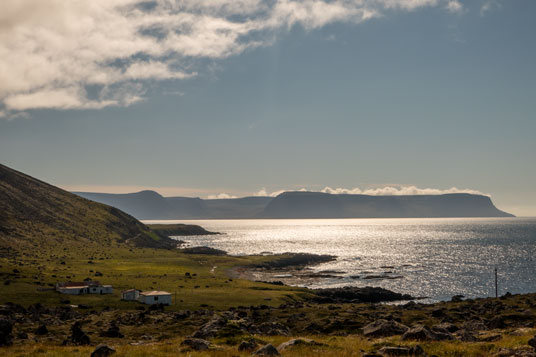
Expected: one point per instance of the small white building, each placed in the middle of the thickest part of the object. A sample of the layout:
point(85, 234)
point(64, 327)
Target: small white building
point(155, 297)
point(130, 295)
point(85, 287)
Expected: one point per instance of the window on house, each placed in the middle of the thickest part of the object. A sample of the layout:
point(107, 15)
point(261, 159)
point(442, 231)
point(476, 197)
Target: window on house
point(156, 298)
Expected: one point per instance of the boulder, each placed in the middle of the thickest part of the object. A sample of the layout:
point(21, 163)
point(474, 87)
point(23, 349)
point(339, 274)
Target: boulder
point(6, 339)
point(196, 344)
point(102, 351)
point(248, 345)
point(267, 350)
point(298, 342)
point(41, 330)
point(402, 351)
point(466, 336)
point(211, 328)
point(273, 329)
point(384, 328)
point(445, 327)
point(78, 337)
point(423, 333)
point(532, 342)
point(113, 332)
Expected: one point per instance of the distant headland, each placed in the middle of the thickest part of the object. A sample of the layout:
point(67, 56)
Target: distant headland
point(291, 205)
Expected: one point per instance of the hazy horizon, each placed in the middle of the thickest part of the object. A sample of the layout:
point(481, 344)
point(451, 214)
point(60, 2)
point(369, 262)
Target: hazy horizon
point(237, 98)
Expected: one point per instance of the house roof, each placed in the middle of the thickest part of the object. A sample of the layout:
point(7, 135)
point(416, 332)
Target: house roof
point(84, 284)
point(129, 290)
point(154, 293)
point(74, 287)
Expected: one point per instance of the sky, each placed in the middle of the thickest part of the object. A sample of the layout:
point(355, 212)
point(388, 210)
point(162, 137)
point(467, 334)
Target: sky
point(220, 98)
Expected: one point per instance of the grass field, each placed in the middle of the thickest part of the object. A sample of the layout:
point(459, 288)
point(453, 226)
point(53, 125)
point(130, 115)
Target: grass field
point(140, 268)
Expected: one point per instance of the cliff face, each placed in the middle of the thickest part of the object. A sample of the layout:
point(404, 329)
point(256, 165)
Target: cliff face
point(150, 205)
point(32, 211)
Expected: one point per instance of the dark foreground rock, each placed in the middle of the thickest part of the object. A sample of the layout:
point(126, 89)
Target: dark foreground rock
point(402, 351)
point(248, 345)
point(6, 339)
point(298, 342)
point(267, 350)
point(102, 351)
point(112, 331)
point(78, 337)
point(357, 294)
point(384, 328)
point(423, 333)
point(196, 344)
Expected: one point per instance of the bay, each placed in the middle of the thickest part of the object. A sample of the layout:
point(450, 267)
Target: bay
point(434, 258)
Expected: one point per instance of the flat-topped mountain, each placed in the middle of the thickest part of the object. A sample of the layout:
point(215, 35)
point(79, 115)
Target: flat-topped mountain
point(323, 205)
point(151, 205)
point(34, 212)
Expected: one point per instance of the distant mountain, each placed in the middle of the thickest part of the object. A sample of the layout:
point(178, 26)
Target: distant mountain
point(33, 212)
point(323, 205)
point(151, 205)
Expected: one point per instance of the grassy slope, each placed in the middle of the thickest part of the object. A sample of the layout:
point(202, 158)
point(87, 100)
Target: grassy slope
point(34, 214)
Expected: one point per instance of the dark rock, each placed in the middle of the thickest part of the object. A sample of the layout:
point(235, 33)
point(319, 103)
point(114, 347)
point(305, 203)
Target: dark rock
point(298, 342)
point(445, 327)
point(78, 337)
point(423, 333)
point(466, 336)
point(211, 328)
point(196, 344)
point(457, 298)
point(267, 350)
point(532, 342)
point(22, 336)
point(248, 345)
point(6, 339)
point(102, 351)
point(273, 329)
point(395, 351)
point(113, 332)
point(98, 273)
point(41, 330)
point(384, 328)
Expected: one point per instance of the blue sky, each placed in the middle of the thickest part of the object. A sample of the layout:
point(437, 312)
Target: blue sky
point(314, 94)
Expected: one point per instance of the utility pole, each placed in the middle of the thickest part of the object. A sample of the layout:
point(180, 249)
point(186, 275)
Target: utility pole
point(496, 289)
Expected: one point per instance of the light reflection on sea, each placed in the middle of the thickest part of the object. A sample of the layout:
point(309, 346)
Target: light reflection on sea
point(438, 258)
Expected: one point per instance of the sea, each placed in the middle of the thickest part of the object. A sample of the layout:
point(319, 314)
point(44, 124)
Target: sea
point(432, 258)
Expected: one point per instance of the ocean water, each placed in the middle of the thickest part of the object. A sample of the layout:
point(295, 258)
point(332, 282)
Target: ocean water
point(433, 258)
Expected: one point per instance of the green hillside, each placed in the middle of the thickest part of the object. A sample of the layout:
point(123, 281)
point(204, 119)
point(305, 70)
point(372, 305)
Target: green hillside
point(34, 213)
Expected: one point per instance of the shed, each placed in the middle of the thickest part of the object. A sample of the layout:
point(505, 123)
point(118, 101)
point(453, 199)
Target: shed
point(130, 295)
point(84, 287)
point(155, 297)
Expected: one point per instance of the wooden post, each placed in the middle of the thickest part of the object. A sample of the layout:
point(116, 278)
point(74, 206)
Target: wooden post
point(496, 288)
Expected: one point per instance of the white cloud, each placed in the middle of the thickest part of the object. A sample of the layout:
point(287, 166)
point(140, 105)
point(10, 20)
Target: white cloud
point(454, 6)
point(81, 54)
point(381, 191)
point(220, 196)
point(399, 191)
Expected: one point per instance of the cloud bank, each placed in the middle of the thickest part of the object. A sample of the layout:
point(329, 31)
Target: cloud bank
point(382, 191)
point(80, 54)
